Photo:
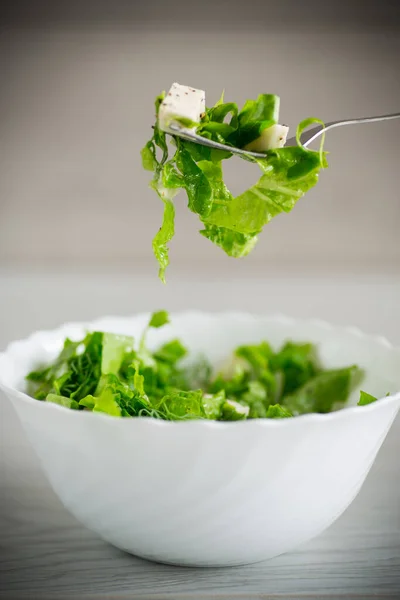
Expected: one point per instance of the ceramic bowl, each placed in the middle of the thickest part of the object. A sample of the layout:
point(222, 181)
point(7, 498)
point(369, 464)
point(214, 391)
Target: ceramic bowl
point(204, 493)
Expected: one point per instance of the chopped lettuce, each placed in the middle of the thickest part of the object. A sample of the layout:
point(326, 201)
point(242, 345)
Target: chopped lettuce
point(114, 348)
point(105, 402)
point(276, 411)
point(75, 373)
point(62, 401)
point(232, 223)
point(158, 319)
point(234, 411)
point(366, 399)
point(298, 364)
point(212, 404)
point(181, 404)
point(109, 373)
point(324, 391)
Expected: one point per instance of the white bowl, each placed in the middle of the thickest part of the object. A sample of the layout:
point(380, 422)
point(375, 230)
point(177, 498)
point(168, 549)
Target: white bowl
point(206, 493)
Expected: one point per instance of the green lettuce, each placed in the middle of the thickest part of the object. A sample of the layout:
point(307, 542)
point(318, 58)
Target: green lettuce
point(276, 411)
point(298, 363)
point(112, 374)
point(232, 223)
point(62, 401)
point(366, 399)
point(324, 391)
point(234, 411)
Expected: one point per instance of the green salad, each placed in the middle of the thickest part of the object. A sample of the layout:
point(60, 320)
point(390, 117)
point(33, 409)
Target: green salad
point(231, 222)
point(109, 373)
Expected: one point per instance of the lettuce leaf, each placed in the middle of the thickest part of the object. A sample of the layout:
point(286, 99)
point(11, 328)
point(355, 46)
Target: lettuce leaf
point(298, 363)
point(106, 372)
point(62, 401)
point(212, 404)
point(233, 243)
point(76, 371)
point(256, 398)
point(255, 116)
point(113, 351)
point(158, 319)
point(324, 392)
point(366, 399)
point(232, 223)
point(276, 411)
point(182, 405)
point(234, 411)
point(163, 236)
point(105, 402)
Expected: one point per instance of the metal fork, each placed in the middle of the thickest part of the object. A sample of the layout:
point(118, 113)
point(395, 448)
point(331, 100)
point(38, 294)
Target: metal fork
point(306, 138)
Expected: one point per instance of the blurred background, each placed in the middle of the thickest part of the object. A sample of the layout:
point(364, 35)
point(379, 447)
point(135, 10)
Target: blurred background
point(76, 106)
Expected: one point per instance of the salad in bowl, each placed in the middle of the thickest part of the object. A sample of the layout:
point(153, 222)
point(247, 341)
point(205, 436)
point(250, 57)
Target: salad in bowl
point(109, 373)
point(168, 445)
point(208, 439)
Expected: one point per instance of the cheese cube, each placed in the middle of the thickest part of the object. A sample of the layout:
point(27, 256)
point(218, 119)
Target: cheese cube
point(183, 102)
point(272, 137)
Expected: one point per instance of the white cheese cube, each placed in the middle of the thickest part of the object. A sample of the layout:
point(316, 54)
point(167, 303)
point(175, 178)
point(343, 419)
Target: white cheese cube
point(181, 102)
point(272, 137)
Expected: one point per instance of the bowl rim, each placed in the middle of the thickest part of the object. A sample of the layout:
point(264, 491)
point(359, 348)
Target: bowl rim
point(36, 336)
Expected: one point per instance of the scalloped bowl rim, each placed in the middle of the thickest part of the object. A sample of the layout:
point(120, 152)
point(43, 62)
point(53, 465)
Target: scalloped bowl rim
point(209, 424)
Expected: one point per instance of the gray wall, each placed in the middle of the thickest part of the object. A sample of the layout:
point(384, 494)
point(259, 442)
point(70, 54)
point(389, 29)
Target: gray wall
point(76, 105)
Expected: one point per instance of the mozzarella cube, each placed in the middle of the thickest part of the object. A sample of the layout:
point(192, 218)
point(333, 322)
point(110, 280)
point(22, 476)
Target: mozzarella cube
point(182, 102)
point(272, 137)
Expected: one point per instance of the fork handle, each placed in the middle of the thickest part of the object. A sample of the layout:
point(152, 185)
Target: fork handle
point(312, 134)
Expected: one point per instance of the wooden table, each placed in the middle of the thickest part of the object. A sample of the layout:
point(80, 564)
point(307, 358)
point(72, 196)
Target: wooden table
point(46, 554)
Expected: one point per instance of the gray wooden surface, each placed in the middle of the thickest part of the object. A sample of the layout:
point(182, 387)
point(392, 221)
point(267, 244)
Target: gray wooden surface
point(45, 554)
